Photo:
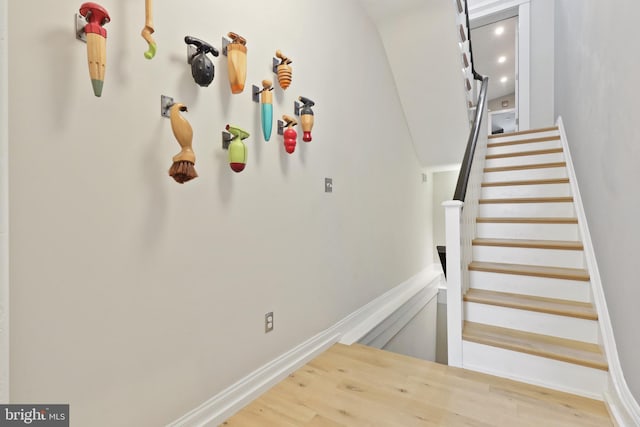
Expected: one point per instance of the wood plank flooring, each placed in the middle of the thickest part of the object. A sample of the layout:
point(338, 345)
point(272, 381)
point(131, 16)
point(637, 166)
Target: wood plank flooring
point(361, 386)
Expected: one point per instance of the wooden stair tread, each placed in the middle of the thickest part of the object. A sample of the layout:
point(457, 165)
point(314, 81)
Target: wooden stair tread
point(531, 270)
point(571, 351)
point(524, 132)
point(580, 310)
point(565, 199)
point(529, 243)
point(526, 167)
point(526, 182)
point(524, 153)
point(528, 220)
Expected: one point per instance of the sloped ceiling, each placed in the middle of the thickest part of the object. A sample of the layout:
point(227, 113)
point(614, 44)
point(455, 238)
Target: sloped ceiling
point(420, 39)
point(382, 10)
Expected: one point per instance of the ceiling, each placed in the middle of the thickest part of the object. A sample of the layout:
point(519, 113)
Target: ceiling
point(380, 10)
point(488, 47)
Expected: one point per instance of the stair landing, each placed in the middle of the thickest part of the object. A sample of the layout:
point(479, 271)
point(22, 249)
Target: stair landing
point(362, 386)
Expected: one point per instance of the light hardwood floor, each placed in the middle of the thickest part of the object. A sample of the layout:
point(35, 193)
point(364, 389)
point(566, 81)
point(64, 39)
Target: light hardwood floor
point(361, 386)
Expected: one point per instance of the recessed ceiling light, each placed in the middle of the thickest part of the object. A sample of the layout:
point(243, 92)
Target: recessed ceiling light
point(502, 59)
point(503, 80)
point(499, 31)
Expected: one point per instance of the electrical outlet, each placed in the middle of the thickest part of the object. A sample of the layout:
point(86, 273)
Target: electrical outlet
point(268, 322)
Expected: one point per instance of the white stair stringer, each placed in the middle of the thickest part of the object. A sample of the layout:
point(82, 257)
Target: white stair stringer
point(555, 374)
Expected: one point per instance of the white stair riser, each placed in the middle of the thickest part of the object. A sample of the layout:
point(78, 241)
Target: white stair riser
point(542, 190)
point(531, 321)
point(506, 138)
point(518, 175)
point(524, 160)
point(541, 371)
point(574, 290)
point(527, 231)
point(503, 149)
point(530, 256)
point(563, 209)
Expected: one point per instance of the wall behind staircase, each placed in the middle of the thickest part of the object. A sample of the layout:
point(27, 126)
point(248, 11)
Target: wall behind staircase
point(422, 46)
point(134, 298)
point(596, 82)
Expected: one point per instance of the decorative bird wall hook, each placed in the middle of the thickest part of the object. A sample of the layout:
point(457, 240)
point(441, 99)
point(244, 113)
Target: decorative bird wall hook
point(306, 117)
point(266, 109)
point(284, 70)
point(96, 16)
point(202, 68)
point(290, 135)
point(148, 29)
point(237, 62)
point(182, 169)
point(237, 148)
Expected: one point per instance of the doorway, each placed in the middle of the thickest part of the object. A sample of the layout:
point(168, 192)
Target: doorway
point(500, 33)
point(495, 56)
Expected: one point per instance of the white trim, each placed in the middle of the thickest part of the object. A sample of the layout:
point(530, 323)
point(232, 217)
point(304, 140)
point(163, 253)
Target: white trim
point(386, 309)
point(380, 335)
point(356, 326)
point(490, 7)
point(4, 205)
point(455, 315)
point(621, 402)
point(524, 66)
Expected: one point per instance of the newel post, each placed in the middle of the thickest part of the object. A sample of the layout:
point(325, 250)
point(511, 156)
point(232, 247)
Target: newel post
point(453, 214)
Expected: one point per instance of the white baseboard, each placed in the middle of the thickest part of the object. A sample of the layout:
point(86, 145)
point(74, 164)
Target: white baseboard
point(624, 413)
point(622, 405)
point(381, 316)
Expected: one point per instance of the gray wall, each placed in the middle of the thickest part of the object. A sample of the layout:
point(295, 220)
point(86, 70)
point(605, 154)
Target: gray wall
point(542, 63)
point(134, 298)
point(596, 83)
point(496, 104)
point(422, 48)
point(418, 337)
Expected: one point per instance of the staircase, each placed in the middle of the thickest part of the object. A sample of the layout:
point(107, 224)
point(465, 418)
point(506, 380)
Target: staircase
point(528, 314)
